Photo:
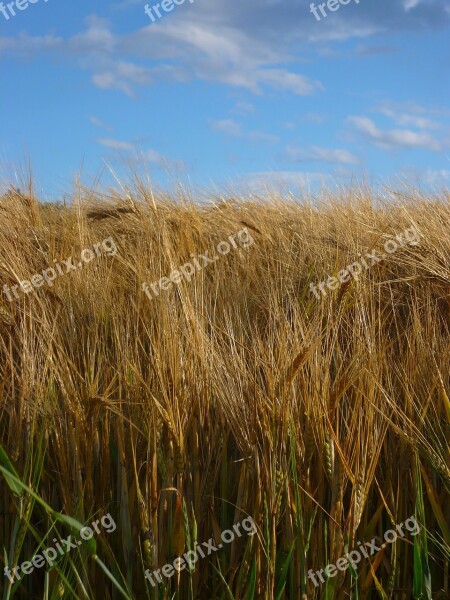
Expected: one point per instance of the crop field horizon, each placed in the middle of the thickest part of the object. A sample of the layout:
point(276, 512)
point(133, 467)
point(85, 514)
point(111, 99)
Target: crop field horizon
point(239, 398)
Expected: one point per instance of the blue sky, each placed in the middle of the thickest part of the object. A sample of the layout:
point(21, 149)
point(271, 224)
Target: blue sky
point(222, 92)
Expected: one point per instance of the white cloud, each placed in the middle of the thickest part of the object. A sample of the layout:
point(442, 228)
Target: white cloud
point(194, 48)
point(291, 82)
point(341, 29)
point(99, 123)
point(156, 158)
point(123, 76)
point(139, 155)
point(234, 129)
point(26, 45)
point(401, 116)
point(243, 108)
point(285, 180)
point(410, 4)
point(116, 144)
point(326, 155)
point(228, 127)
point(413, 108)
point(96, 38)
point(394, 138)
point(436, 177)
point(253, 45)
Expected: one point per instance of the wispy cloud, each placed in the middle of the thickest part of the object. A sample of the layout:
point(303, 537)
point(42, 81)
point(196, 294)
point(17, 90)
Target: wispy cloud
point(394, 138)
point(400, 115)
point(25, 45)
point(123, 76)
point(414, 108)
point(436, 177)
point(233, 128)
point(95, 121)
point(286, 180)
point(243, 108)
point(228, 127)
point(196, 48)
point(141, 155)
point(252, 45)
point(327, 155)
point(410, 4)
point(116, 144)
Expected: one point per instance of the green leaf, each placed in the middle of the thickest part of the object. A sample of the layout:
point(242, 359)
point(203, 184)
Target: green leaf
point(110, 576)
point(9, 470)
point(426, 574)
point(417, 571)
point(252, 584)
point(70, 522)
point(283, 573)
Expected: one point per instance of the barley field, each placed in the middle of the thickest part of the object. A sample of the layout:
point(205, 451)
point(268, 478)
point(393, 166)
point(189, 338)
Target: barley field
point(235, 395)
